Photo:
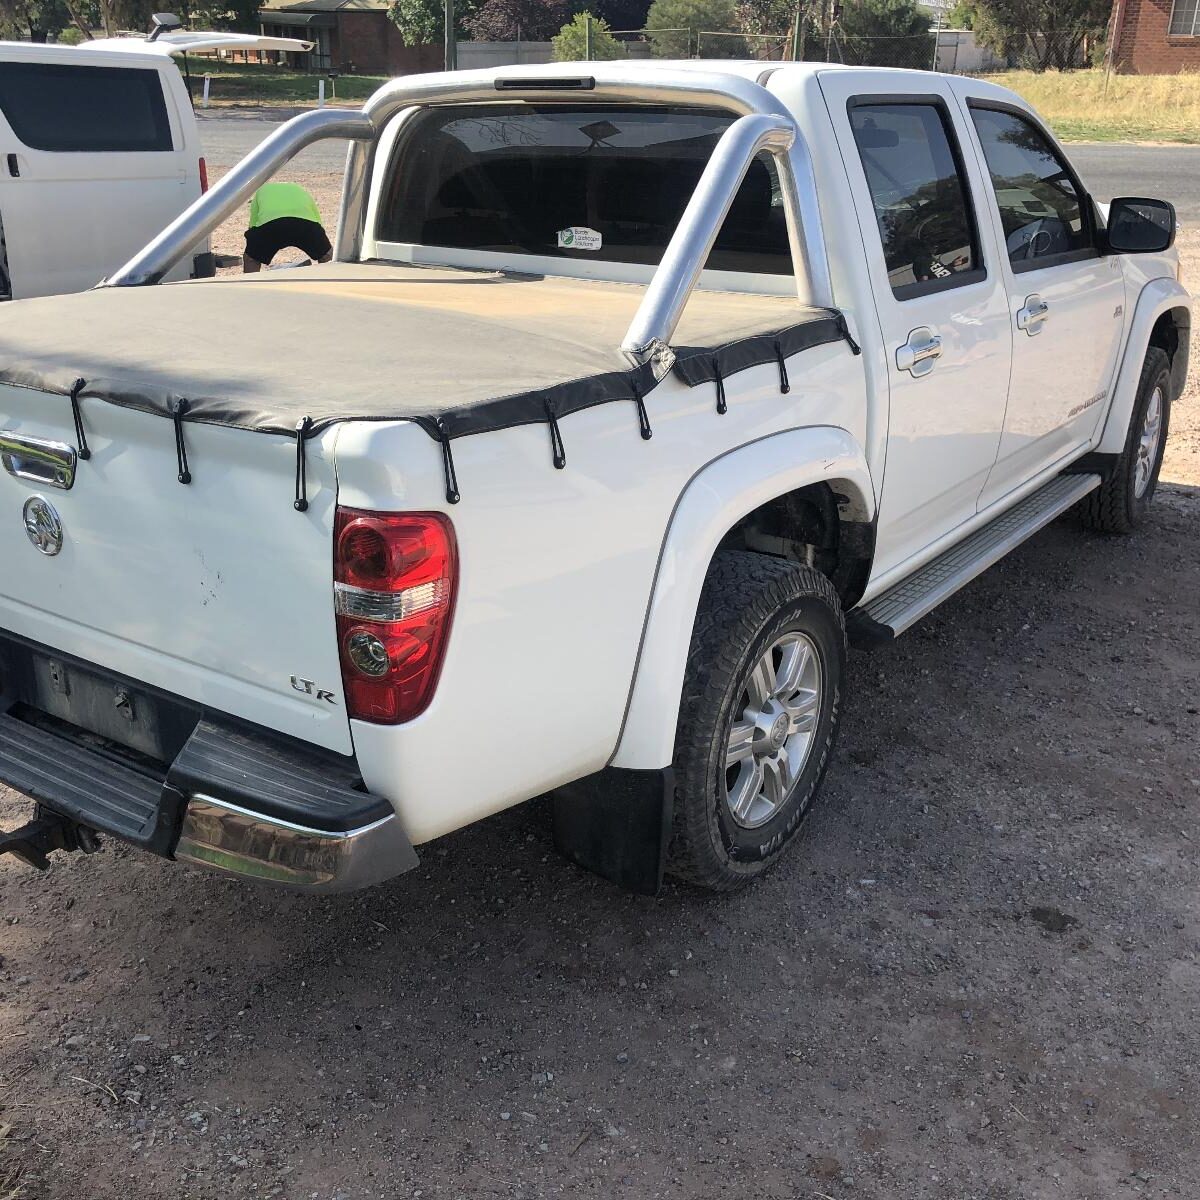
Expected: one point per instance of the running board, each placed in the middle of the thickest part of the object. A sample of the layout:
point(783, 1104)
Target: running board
point(892, 612)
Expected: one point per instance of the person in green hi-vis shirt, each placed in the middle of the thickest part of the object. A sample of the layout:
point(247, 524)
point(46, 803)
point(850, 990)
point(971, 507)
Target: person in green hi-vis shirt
point(282, 215)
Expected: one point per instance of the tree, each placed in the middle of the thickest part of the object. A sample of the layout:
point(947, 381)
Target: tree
point(766, 16)
point(571, 41)
point(884, 33)
point(33, 19)
point(1041, 33)
point(962, 15)
point(681, 21)
point(533, 20)
point(623, 14)
point(423, 22)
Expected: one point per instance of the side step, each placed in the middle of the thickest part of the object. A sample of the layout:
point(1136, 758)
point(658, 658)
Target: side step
point(892, 612)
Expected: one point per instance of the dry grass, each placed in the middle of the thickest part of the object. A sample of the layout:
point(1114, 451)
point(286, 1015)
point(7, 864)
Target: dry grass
point(1133, 108)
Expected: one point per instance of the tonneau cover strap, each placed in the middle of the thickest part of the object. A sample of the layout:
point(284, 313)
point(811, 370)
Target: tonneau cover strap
point(178, 412)
point(80, 435)
point(300, 504)
point(556, 443)
point(643, 416)
point(453, 495)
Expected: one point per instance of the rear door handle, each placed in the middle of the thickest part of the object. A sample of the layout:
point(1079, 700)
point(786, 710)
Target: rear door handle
point(14, 166)
point(920, 352)
point(1033, 316)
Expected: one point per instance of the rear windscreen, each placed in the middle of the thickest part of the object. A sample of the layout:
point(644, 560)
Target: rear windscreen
point(599, 183)
point(52, 106)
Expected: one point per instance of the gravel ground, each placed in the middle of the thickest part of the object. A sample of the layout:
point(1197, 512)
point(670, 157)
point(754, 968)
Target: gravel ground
point(976, 979)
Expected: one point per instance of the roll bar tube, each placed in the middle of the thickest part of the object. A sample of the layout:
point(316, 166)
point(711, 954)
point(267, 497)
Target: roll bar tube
point(762, 124)
point(202, 216)
point(658, 314)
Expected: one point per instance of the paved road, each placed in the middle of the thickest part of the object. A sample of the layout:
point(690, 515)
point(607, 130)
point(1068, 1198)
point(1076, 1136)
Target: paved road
point(1112, 169)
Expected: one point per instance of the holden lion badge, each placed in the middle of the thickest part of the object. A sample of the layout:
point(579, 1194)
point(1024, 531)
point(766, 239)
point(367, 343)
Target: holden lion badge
point(42, 525)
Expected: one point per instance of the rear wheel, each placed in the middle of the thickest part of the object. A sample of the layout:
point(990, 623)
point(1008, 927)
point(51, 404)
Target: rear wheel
point(758, 718)
point(1120, 502)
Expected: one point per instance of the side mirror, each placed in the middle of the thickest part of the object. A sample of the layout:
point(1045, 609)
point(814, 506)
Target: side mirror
point(1140, 226)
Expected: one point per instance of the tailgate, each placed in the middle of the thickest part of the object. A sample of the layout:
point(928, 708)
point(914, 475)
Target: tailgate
point(217, 591)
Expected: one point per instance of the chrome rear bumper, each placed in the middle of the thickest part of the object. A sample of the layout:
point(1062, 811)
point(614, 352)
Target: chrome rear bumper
point(236, 841)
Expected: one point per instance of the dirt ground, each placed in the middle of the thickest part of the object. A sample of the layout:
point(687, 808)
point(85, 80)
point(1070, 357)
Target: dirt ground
point(976, 979)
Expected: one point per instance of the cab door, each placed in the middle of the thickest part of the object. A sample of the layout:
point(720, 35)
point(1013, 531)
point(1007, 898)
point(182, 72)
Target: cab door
point(89, 170)
point(1066, 301)
point(940, 300)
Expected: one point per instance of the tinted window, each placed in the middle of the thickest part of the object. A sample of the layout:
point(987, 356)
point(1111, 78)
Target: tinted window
point(919, 195)
point(1040, 208)
point(588, 183)
point(56, 107)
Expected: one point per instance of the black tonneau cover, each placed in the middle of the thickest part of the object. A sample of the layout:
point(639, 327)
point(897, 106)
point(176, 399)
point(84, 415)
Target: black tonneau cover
point(460, 352)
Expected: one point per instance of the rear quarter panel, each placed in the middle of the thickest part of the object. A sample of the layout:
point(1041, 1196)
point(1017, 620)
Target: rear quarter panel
point(557, 570)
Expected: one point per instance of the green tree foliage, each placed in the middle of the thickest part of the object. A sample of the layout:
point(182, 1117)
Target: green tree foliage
point(884, 33)
point(423, 22)
point(571, 41)
point(33, 19)
point(533, 20)
point(623, 14)
point(690, 17)
point(1040, 33)
point(962, 15)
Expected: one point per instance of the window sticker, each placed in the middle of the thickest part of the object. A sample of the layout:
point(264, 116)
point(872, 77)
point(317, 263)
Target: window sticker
point(579, 237)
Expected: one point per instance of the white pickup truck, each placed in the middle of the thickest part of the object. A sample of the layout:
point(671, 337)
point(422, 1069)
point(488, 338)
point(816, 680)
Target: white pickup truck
point(630, 390)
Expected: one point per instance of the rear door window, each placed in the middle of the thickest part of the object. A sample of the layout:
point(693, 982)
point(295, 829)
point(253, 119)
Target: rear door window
point(593, 183)
point(1042, 208)
point(62, 107)
point(919, 192)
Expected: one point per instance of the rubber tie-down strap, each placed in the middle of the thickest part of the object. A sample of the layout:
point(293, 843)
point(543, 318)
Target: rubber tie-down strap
point(643, 416)
point(300, 504)
point(784, 385)
point(80, 436)
point(178, 412)
point(844, 328)
point(453, 496)
point(722, 407)
point(556, 443)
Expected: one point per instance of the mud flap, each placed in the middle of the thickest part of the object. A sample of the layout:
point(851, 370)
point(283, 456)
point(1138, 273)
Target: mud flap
point(617, 823)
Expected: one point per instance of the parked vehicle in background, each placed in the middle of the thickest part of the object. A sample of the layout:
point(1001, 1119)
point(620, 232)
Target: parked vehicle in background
point(99, 148)
point(632, 390)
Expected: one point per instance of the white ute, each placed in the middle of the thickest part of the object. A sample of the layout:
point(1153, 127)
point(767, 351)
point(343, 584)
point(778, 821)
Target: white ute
point(631, 389)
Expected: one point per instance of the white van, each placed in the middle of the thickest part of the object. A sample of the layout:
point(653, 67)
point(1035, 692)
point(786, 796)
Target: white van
point(99, 149)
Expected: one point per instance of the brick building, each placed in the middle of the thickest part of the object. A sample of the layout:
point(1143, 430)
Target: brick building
point(1156, 37)
point(351, 36)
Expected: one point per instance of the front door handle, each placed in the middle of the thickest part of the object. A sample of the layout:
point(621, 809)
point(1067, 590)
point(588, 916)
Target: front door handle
point(1033, 316)
point(14, 166)
point(920, 352)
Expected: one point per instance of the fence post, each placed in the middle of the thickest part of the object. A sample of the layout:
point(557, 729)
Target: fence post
point(207, 81)
point(587, 36)
point(451, 37)
point(320, 93)
point(937, 38)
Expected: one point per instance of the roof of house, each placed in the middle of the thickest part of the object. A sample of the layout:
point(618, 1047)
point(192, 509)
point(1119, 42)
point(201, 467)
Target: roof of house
point(302, 6)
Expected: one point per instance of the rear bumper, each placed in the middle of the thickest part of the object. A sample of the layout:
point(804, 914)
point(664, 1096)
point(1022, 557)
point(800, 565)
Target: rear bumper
point(233, 799)
point(238, 841)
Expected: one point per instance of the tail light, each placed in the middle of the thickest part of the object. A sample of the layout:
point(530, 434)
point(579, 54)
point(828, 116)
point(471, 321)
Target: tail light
point(203, 176)
point(395, 576)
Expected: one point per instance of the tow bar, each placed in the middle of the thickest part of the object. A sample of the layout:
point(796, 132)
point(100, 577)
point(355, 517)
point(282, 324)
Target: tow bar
point(47, 832)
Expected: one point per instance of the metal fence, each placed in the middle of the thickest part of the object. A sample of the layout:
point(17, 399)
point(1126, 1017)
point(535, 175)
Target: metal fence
point(951, 50)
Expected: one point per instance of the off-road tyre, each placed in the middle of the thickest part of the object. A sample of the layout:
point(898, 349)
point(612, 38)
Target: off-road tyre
point(1115, 506)
point(749, 601)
